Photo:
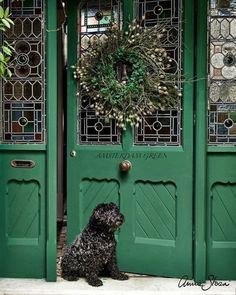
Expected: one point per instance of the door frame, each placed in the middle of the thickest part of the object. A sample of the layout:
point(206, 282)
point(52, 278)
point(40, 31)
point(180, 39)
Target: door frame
point(51, 170)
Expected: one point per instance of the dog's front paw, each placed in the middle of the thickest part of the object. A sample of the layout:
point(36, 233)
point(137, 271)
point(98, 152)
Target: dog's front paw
point(120, 276)
point(95, 282)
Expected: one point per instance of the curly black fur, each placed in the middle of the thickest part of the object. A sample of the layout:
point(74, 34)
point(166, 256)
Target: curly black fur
point(94, 250)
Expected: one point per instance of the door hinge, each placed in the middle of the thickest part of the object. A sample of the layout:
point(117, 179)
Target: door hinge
point(194, 118)
point(194, 235)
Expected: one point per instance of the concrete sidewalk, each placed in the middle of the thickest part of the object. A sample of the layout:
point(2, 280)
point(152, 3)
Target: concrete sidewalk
point(136, 285)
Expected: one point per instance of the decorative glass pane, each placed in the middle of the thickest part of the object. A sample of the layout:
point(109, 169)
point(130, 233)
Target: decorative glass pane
point(23, 95)
point(163, 127)
point(222, 73)
point(94, 18)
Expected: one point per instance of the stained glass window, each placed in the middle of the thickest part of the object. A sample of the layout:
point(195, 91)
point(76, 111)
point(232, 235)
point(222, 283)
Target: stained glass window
point(222, 73)
point(23, 95)
point(163, 127)
point(94, 18)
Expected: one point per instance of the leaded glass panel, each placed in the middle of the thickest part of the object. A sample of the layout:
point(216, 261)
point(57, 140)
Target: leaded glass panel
point(94, 18)
point(222, 73)
point(163, 127)
point(23, 95)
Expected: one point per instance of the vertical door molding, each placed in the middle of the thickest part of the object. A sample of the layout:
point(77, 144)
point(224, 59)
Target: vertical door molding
point(72, 103)
point(200, 141)
point(51, 90)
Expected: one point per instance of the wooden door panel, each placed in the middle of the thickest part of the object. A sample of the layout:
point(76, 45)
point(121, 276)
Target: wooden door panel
point(95, 191)
point(155, 210)
point(221, 222)
point(23, 217)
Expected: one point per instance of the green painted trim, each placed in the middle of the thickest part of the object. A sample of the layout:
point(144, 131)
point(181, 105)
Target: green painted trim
point(72, 99)
point(23, 147)
point(72, 102)
point(221, 149)
point(200, 142)
point(134, 148)
point(128, 9)
point(188, 95)
point(188, 72)
point(51, 176)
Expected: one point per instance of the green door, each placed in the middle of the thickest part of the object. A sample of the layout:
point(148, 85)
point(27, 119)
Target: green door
point(220, 160)
point(156, 194)
point(215, 178)
point(27, 145)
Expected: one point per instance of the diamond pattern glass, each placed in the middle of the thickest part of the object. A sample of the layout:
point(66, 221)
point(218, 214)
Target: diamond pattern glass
point(23, 95)
point(222, 73)
point(94, 19)
point(168, 13)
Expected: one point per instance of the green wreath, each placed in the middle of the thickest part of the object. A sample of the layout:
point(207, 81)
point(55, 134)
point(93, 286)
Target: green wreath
point(127, 75)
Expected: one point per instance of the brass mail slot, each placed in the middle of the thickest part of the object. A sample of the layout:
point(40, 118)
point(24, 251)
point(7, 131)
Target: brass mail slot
point(22, 163)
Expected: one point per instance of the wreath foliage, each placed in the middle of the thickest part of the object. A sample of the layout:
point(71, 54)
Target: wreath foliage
point(127, 75)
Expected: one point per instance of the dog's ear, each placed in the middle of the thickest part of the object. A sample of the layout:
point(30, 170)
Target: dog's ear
point(97, 210)
point(99, 206)
point(113, 205)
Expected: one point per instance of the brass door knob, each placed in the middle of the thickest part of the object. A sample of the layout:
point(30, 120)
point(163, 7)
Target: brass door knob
point(125, 166)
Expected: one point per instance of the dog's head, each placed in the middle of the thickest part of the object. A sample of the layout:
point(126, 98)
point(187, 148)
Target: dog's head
point(107, 217)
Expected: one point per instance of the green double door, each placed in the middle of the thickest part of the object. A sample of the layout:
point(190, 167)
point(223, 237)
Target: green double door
point(179, 196)
point(155, 194)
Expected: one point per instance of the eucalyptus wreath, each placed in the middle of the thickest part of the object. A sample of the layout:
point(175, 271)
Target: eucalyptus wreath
point(127, 74)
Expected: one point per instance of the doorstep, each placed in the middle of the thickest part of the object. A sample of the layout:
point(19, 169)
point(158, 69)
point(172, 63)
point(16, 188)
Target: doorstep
point(136, 285)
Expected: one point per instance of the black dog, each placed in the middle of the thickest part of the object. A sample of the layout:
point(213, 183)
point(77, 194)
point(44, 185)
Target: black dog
point(94, 250)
